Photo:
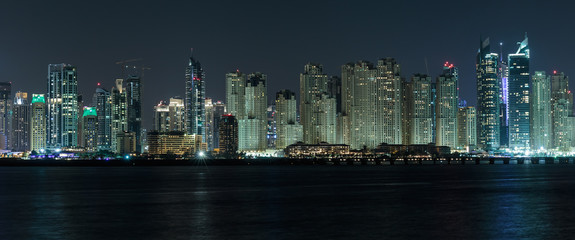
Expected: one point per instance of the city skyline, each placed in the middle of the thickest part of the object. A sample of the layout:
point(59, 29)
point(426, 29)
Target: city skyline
point(276, 42)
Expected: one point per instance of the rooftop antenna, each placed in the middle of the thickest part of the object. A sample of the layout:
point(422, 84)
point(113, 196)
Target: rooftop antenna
point(500, 51)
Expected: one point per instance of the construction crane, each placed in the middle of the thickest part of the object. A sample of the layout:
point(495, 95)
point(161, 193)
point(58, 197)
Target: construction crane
point(123, 65)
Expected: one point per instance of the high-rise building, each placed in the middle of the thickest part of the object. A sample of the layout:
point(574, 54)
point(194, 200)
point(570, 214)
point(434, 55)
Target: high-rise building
point(288, 130)
point(218, 110)
point(235, 93)
point(228, 136)
point(503, 76)
point(317, 106)
point(134, 108)
point(38, 123)
point(446, 107)
point(389, 103)
point(467, 128)
point(195, 99)
point(541, 127)
point(418, 110)
point(62, 104)
point(518, 83)
point(103, 103)
point(161, 118)
point(20, 139)
point(561, 109)
point(119, 115)
point(271, 131)
point(253, 126)
point(5, 113)
point(90, 129)
point(488, 99)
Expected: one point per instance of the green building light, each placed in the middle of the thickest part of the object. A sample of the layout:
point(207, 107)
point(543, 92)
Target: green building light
point(38, 98)
point(89, 111)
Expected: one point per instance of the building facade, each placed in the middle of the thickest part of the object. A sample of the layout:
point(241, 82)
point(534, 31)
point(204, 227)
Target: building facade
point(89, 138)
point(103, 102)
point(20, 140)
point(62, 98)
point(541, 127)
point(488, 99)
point(446, 108)
point(467, 129)
point(38, 123)
point(519, 105)
point(253, 126)
point(229, 139)
point(418, 110)
point(288, 129)
point(195, 98)
point(134, 108)
point(317, 106)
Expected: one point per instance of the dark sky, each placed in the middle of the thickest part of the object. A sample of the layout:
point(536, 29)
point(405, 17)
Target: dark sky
point(273, 37)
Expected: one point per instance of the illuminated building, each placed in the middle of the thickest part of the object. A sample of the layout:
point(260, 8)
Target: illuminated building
point(119, 114)
point(312, 150)
point(235, 93)
point(5, 113)
point(518, 83)
point(467, 128)
point(446, 107)
point(168, 118)
point(90, 129)
point(134, 108)
point(289, 131)
point(38, 123)
point(125, 142)
point(361, 107)
point(541, 127)
point(176, 143)
point(253, 126)
point(561, 109)
point(195, 98)
point(62, 98)
point(20, 140)
point(503, 75)
point(228, 136)
point(389, 102)
point(317, 106)
point(488, 99)
point(103, 102)
point(161, 118)
point(418, 111)
point(271, 133)
point(214, 111)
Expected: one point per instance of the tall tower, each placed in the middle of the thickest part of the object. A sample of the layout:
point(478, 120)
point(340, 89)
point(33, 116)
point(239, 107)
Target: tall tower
point(389, 107)
point(20, 123)
point(253, 126)
point(446, 107)
point(228, 131)
point(195, 99)
point(419, 111)
point(467, 128)
point(161, 118)
point(134, 108)
point(38, 123)
point(519, 97)
point(235, 93)
point(541, 128)
point(62, 99)
point(362, 112)
point(5, 113)
point(103, 103)
point(289, 131)
point(561, 109)
point(119, 113)
point(317, 106)
point(90, 129)
point(488, 99)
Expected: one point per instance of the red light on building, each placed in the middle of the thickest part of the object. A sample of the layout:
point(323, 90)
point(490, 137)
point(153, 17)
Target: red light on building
point(554, 71)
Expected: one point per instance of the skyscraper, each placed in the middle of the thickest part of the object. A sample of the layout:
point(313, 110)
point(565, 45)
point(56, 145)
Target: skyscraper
point(21, 123)
point(228, 136)
point(253, 126)
point(90, 129)
point(519, 97)
point(103, 103)
point(288, 130)
point(235, 93)
point(390, 102)
point(177, 114)
point(134, 108)
point(62, 100)
point(119, 115)
point(161, 122)
point(446, 107)
point(418, 112)
point(5, 113)
point(38, 123)
point(218, 110)
point(195, 97)
point(467, 128)
point(561, 109)
point(317, 106)
point(488, 99)
point(541, 127)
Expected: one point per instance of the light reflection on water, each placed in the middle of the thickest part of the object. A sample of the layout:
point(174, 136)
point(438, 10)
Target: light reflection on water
point(286, 202)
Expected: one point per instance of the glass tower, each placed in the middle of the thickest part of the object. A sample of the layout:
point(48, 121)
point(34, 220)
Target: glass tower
point(62, 98)
point(195, 99)
point(518, 83)
point(488, 99)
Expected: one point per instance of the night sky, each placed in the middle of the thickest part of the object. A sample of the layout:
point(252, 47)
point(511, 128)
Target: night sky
point(275, 38)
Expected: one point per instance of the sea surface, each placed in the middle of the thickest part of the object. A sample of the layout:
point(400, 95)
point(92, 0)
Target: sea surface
point(288, 202)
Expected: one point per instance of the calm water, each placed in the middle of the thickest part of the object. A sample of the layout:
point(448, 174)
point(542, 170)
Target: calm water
point(287, 202)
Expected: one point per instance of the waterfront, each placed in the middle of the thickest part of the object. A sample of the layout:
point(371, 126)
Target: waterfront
point(288, 202)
